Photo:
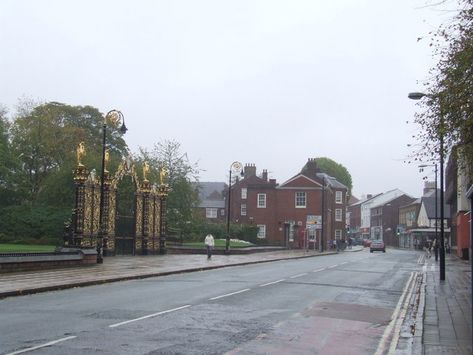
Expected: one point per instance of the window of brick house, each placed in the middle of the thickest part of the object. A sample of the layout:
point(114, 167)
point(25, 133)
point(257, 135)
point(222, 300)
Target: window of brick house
point(211, 212)
point(338, 214)
point(338, 197)
point(261, 230)
point(301, 200)
point(244, 193)
point(338, 233)
point(261, 200)
point(243, 209)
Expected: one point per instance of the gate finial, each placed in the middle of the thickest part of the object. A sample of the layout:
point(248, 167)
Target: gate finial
point(145, 171)
point(162, 175)
point(80, 152)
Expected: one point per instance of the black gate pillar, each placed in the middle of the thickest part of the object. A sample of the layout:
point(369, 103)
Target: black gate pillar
point(80, 177)
point(145, 200)
point(163, 192)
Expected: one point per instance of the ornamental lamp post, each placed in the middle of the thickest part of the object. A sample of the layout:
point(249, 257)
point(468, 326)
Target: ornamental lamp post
point(236, 167)
point(418, 96)
point(115, 117)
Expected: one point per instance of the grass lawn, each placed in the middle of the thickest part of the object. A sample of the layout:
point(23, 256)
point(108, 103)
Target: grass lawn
point(220, 243)
point(25, 248)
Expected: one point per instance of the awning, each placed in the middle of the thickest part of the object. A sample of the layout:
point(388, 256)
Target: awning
point(427, 230)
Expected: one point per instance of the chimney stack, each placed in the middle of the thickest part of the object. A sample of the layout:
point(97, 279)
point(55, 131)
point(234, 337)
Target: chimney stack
point(250, 170)
point(265, 175)
point(429, 186)
point(310, 168)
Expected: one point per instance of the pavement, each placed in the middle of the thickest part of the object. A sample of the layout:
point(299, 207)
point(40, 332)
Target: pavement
point(120, 268)
point(439, 321)
point(447, 316)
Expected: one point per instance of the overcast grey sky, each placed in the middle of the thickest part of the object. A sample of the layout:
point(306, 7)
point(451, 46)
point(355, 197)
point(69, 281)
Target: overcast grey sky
point(266, 82)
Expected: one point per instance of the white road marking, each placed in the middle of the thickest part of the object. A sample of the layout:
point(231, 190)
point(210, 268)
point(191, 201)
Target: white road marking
point(331, 267)
point(271, 283)
point(228, 294)
point(400, 319)
point(424, 267)
point(42, 346)
point(296, 276)
point(317, 270)
point(346, 262)
point(394, 318)
point(148, 316)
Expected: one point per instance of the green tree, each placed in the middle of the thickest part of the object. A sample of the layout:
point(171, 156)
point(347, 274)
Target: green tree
point(338, 171)
point(42, 141)
point(45, 139)
point(8, 164)
point(449, 100)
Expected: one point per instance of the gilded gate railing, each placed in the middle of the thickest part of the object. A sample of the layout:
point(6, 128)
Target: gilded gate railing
point(149, 234)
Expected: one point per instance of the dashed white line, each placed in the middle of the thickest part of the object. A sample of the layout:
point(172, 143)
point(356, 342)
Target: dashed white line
point(228, 294)
point(42, 345)
point(346, 262)
point(271, 283)
point(295, 276)
point(317, 270)
point(331, 267)
point(148, 316)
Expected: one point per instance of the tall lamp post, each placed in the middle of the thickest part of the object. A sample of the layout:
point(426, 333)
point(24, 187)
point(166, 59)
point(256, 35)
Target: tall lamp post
point(436, 250)
point(323, 217)
point(418, 96)
point(236, 167)
point(115, 117)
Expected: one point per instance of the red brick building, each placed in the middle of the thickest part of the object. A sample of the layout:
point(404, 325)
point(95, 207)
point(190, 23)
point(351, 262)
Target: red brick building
point(307, 211)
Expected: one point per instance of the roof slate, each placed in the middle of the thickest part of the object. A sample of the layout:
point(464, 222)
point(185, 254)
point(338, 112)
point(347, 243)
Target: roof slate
point(429, 204)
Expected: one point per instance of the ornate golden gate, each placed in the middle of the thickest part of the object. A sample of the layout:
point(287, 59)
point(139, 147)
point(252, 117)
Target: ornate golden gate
point(149, 226)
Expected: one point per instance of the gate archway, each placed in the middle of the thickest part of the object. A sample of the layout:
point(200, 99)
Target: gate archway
point(125, 207)
point(133, 211)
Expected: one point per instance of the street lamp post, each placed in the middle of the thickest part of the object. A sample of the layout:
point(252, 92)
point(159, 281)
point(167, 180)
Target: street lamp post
point(436, 249)
point(418, 96)
point(115, 116)
point(323, 217)
point(236, 167)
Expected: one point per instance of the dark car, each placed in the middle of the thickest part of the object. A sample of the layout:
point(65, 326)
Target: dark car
point(377, 245)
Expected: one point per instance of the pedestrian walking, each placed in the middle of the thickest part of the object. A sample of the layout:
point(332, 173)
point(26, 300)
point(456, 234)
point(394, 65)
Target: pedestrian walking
point(428, 249)
point(209, 243)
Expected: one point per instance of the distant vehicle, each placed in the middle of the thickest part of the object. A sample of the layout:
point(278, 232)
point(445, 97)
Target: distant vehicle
point(357, 241)
point(366, 242)
point(377, 245)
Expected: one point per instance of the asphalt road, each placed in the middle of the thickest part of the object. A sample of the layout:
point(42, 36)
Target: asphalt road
point(336, 304)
